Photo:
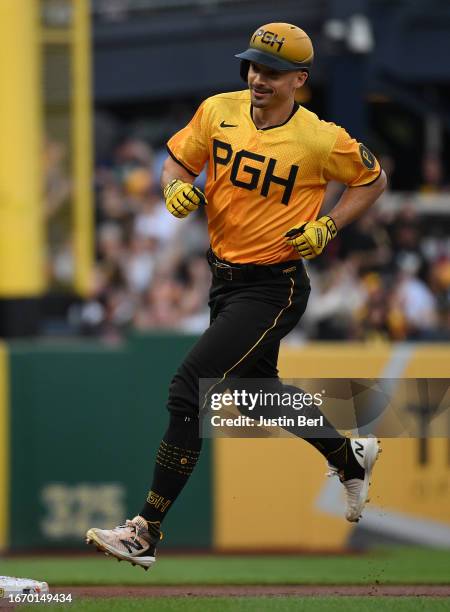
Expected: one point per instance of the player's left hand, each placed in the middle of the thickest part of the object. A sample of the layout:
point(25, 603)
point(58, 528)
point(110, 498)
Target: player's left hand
point(309, 239)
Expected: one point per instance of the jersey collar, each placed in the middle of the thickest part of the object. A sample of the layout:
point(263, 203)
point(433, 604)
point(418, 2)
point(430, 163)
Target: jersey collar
point(271, 127)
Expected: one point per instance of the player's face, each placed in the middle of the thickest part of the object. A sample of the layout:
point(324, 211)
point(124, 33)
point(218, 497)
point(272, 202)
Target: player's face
point(270, 88)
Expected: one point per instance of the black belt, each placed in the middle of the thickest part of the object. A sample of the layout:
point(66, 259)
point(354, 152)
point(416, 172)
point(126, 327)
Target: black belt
point(226, 270)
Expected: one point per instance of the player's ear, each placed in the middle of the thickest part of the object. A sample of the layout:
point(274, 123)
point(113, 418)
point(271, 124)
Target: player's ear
point(302, 77)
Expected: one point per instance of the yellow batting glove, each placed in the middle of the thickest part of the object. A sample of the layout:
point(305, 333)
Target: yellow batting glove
point(182, 198)
point(309, 239)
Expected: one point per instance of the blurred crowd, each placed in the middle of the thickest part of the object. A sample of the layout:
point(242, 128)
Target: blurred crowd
point(150, 271)
point(385, 277)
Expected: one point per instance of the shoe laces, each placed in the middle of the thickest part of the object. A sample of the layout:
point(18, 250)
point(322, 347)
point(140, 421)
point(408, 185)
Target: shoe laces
point(334, 471)
point(128, 525)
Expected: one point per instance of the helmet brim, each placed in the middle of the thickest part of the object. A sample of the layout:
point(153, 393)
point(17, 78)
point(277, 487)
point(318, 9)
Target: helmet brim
point(267, 59)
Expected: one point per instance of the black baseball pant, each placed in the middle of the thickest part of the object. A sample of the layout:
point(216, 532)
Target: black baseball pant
point(252, 309)
point(249, 318)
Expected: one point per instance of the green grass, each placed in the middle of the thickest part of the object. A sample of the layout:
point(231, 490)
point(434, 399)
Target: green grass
point(394, 566)
point(260, 604)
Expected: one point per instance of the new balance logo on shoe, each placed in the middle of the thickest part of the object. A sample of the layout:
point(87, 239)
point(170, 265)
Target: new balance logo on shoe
point(225, 125)
point(359, 449)
point(130, 544)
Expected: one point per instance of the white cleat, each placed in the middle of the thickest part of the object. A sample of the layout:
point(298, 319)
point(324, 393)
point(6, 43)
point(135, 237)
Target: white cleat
point(131, 542)
point(365, 451)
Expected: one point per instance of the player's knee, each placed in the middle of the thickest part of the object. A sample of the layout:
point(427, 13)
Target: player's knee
point(183, 395)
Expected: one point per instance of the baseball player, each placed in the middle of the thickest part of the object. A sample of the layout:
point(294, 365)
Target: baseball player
point(268, 163)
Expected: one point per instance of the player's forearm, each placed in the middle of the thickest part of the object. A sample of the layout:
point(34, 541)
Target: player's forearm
point(173, 170)
point(356, 200)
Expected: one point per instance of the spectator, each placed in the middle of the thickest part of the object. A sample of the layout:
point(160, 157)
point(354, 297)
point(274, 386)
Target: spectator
point(414, 301)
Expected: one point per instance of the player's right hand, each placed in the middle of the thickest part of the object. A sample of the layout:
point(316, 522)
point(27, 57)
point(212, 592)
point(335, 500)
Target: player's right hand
point(182, 198)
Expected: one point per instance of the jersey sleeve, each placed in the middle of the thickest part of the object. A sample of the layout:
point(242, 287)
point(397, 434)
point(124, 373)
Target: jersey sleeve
point(189, 146)
point(350, 162)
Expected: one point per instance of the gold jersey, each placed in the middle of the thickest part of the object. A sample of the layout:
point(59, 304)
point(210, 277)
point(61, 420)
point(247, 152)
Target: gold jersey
point(262, 182)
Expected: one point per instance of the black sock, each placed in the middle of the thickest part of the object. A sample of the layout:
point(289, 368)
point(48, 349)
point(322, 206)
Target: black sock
point(331, 444)
point(333, 449)
point(338, 452)
point(175, 461)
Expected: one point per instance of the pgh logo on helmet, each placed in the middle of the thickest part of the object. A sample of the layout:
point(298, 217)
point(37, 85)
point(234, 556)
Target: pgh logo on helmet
point(281, 46)
point(268, 38)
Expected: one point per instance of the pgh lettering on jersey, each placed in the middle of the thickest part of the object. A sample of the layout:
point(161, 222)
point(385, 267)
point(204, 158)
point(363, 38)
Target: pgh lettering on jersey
point(261, 182)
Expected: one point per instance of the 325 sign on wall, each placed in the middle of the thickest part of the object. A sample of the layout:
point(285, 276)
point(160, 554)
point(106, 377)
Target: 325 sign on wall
point(70, 510)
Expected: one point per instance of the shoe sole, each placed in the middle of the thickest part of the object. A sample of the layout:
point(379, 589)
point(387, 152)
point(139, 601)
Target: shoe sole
point(92, 538)
point(370, 457)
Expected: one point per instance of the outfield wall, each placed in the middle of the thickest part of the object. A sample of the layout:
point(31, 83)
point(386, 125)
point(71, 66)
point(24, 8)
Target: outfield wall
point(85, 422)
point(80, 423)
point(280, 489)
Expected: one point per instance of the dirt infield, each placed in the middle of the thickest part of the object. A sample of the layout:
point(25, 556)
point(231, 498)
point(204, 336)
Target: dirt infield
point(375, 590)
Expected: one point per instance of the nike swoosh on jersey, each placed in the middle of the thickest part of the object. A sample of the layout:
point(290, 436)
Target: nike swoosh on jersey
point(225, 125)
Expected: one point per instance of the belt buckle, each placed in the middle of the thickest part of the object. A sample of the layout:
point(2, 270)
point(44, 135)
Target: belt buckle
point(226, 271)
